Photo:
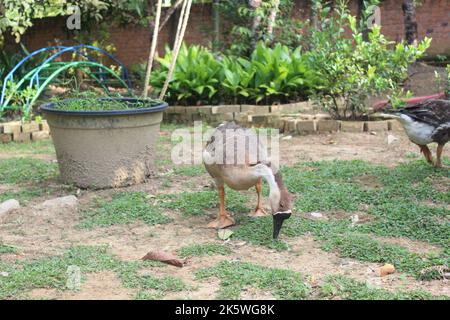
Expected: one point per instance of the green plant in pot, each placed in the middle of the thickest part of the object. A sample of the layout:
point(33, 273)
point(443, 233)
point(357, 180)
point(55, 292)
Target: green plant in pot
point(104, 142)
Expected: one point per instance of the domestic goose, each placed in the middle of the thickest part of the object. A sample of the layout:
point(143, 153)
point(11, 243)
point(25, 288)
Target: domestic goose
point(426, 122)
point(236, 157)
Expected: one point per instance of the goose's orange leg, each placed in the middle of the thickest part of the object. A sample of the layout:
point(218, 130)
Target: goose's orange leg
point(259, 211)
point(427, 153)
point(438, 156)
point(224, 220)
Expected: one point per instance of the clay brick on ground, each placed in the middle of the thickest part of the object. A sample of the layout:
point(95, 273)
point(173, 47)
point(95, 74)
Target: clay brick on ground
point(291, 126)
point(243, 118)
point(251, 109)
point(225, 109)
point(352, 126)
point(322, 116)
point(221, 117)
point(204, 110)
point(5, 137)
point(191, 109)
point(40, 135)
point(30, 127)
point(176, 109)
point(328, 125)
point(275, 108)
point(306, 126)
point(261, 119)
point(291, 108)
point(394, 125)
point(21, 137)
point(377, 125)
point(11, 127)
point(43, 126)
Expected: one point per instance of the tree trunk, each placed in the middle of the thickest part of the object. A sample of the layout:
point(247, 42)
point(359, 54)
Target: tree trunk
point(169, 14)
point(314, 19)
point(174, 27)
point(216, 17)
point(255, 4)
point(273, 17)
point(409, 13)
point(361, 17)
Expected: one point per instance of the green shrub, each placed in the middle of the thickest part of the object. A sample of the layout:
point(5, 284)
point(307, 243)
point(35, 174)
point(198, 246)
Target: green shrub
point(352, 69)
point(195, 79)
point(268, 76)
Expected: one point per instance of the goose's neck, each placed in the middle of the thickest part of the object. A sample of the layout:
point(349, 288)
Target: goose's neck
point(275, 183)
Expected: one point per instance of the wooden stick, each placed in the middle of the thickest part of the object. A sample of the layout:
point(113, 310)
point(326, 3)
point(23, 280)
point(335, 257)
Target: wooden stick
point(178, 41)
point(151, 55)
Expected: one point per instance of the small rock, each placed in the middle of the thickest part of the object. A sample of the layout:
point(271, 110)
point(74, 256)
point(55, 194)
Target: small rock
point(8, 206)
point(4, 274)
point(355, 220)
point(316, 215)
point(387, 269)
point(391, 139)
point(373, 133)
point(239, 243)
point(286, 138)
point(68, 201)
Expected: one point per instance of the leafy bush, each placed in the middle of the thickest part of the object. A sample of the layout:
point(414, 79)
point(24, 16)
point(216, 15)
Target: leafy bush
point(269, 75)
point(195, 79)
point(351, 68)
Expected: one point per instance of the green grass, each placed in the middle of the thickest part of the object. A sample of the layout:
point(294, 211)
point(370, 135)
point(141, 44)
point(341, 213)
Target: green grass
point(393, 198)
point(124, 208)
point(189, 171)
point(6, 249)
point(196, 203)
point(418, 222)
point(235, 276)
point(338, 236)
point(51, 272)
point(34, 147)
point(349, 289)
point(26, 170)
point(26, 194)
point(199, 250)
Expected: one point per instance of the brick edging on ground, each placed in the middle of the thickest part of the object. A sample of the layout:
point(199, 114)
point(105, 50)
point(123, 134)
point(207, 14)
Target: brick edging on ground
point(288, 118)
point(293, 118)
point(24, 131)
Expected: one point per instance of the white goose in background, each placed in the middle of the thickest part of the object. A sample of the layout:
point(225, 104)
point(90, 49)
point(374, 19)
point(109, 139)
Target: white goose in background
point(425, 122)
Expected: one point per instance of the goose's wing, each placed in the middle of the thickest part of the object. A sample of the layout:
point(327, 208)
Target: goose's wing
point(238, 145)
point(433, 112)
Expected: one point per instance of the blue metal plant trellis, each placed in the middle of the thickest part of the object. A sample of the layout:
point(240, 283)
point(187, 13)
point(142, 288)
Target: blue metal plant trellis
point(37, 81)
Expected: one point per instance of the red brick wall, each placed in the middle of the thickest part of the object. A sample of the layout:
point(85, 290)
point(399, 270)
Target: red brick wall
point(433, 18)
point(133, 42)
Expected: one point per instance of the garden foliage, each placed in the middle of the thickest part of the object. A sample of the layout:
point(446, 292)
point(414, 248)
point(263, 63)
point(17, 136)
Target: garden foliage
point(270, 75)
point(342, 66)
